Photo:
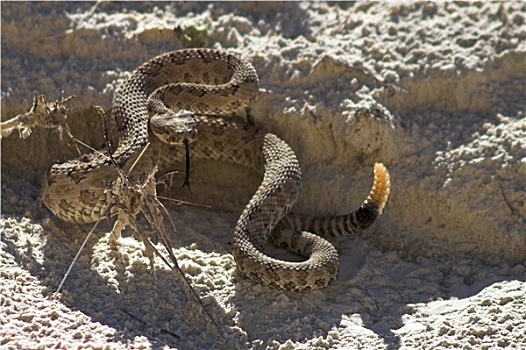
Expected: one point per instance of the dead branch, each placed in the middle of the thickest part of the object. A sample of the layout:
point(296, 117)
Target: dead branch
point(45, 114)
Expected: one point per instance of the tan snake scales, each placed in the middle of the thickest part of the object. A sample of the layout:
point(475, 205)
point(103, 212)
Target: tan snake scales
point(206, 81)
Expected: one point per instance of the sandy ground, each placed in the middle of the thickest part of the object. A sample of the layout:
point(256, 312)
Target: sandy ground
point(434, 91)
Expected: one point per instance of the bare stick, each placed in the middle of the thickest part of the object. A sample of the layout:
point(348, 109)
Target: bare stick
point(75, 258)
point(185, 202)
point(150, 325)
point(124, 195)
point(166, 242)
point(42, 113)
point(506, 199)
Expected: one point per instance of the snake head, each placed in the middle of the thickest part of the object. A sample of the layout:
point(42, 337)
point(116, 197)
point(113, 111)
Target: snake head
point(174, 127)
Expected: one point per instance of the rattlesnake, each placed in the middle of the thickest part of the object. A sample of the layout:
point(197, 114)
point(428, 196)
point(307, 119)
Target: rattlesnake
point(209, 81)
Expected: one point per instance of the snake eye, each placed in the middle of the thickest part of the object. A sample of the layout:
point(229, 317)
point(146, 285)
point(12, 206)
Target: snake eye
point(174, 128)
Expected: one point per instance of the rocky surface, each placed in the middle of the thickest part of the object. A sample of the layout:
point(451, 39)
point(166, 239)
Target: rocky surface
point(436, 91)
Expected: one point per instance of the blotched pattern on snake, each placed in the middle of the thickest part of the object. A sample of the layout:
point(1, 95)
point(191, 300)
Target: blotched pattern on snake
point(166, 91)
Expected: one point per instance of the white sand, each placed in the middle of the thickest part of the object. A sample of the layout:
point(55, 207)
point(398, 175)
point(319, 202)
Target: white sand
point(434, 91)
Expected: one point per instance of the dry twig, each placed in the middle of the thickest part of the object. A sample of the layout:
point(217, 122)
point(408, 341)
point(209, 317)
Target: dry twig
point(126, 199)
point(42, 113)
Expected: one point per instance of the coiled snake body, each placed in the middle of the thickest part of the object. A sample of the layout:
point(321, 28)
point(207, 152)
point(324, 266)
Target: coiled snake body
point(206, 81)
